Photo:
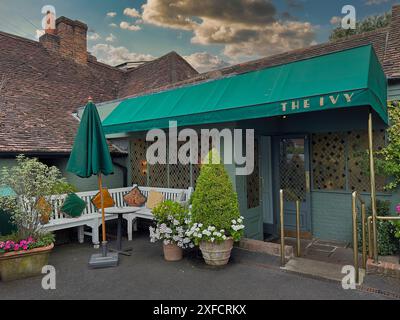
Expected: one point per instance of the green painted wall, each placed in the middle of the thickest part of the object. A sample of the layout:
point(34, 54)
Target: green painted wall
point(394, 91)
point(90, 184)
point(6, 163)
point(332, 213)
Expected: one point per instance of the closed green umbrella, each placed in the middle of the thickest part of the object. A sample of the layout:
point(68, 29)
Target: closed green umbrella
point(90, 155)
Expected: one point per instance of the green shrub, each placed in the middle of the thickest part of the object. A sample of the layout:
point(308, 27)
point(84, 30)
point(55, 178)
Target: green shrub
point(387, 243)
point(169, 208)
point(396, 225)
point(43, 240)
point(63, 187)
point(214, 202)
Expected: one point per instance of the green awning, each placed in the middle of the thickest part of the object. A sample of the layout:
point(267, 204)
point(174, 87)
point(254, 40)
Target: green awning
point(345, 79)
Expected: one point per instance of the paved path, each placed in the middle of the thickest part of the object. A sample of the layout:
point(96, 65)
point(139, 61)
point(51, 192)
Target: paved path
point(146, 276)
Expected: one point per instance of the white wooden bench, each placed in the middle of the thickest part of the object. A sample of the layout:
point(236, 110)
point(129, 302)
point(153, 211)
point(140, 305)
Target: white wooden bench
point(91, 216)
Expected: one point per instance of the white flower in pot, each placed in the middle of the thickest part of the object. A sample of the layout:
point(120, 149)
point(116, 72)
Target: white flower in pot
point(171, 226)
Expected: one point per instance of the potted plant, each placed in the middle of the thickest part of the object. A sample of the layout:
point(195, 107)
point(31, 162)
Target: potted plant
point(215, 218)
point(171, 226)
point(24, 253)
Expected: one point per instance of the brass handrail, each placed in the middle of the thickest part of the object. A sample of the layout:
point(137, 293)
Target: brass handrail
point(388, 218)
point(356, 197)
point(298, 228)
point(283, 262)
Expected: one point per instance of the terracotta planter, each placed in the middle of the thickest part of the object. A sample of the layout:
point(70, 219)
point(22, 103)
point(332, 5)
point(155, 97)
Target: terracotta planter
point(23, 264)
point(216, 254)
point(172, 253)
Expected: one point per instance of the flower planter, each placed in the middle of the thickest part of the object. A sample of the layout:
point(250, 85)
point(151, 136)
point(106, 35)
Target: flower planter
point(216, 254)
point(23, 264)
point(172, 253)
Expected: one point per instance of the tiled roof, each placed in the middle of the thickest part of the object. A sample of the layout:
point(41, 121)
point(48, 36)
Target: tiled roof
point(170, 68)
point(43, 90)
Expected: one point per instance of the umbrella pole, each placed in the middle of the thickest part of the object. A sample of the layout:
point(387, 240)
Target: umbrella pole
point(104, 259)
point(103, 227)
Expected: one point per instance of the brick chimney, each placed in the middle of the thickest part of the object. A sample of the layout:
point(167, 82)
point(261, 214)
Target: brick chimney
point(73, 39)
point(69, 39)
point(392, 58)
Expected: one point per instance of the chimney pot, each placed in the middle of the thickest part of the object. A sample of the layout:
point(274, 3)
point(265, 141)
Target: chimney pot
point(50, 41)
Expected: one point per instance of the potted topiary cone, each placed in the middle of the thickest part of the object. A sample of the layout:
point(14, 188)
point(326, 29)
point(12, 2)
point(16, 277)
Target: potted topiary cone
point(216, 221)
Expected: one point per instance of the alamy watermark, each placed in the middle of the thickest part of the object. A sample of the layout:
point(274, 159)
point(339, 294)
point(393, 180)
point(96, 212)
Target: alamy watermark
point(49, 280)
point(349, 280)
point(49, 20)
point(233, 146)
point(349, 21)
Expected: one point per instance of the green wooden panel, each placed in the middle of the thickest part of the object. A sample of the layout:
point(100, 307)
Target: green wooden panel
point(253, 217)
point(394, 91)
point(332, 213)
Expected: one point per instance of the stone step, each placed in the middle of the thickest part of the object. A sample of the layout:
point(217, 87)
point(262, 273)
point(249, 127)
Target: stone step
point(318, 269)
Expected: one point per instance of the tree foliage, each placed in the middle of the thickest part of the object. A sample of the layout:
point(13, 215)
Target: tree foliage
point(30, 180)
point(368, 24)
point(388, 159)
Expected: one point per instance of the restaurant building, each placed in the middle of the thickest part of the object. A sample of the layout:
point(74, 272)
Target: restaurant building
point(310, 118)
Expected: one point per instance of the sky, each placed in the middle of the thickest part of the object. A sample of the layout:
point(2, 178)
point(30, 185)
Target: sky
point(210, 34)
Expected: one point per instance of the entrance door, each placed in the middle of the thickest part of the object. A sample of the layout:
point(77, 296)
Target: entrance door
point(292, 174)
point(253, 212)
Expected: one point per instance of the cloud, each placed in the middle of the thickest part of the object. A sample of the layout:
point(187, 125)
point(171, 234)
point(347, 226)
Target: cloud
point(375, 2)
point(39, 33)
point(179, 14)
point(336, 20)
point(203, 61)
point(127, 26)
point(272, 39)
point(116, 55)
point(111, 14)
point(94, 36)
point(294, 4)
point(111, 38)
point(114, 25)
point(245, 27)
point(132, 12)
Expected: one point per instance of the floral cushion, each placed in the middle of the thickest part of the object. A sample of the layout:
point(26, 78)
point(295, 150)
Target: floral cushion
point(135, 198)
point(108, 201)
point(155, 198)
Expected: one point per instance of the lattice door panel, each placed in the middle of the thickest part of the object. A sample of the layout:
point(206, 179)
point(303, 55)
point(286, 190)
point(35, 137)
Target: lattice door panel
point(292, 169)
point(329, 161)
point(138, 162)
point(253, 181)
